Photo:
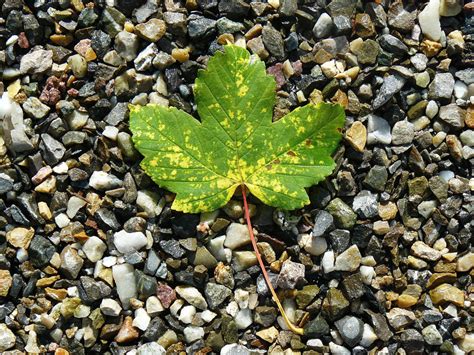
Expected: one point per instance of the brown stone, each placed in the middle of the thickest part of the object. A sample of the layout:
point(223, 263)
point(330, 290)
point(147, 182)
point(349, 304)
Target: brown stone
point(5, 282)
point(127, 332)
point(356, 135)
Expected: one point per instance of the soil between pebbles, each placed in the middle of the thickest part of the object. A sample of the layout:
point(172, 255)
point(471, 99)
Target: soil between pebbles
point(92, 259)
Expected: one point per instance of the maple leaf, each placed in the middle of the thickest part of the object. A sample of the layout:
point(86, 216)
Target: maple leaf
point(236, 142)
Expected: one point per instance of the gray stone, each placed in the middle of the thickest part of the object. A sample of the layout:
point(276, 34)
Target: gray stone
point(323, 222)
point(453, 115)
point(126, 44)
point(200, 27)
point(377, 178)
point(273, 42)
point(392, 44)
point(323, 26)
point(365, 204)
point(53, 150)
point(216, 294)
point(391, 85)
point(441, 87)
point(403, 132)
point(41, 251)
point(290, 275)
point(351, 329)
point(378, 130)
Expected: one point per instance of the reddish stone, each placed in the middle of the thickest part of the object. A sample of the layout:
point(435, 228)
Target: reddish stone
point(165, 294)
point(23, 41)
point(51, 93)
point(276, 71)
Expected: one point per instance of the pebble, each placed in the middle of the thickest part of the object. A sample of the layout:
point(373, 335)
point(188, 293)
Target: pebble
point(110, 307)
point(127, 243)
point(391, 85)
point(192, 333)
point(441, 87)
point(7, 339)
point(127, 332)
point(100, 180)
point(356, 135)
point(378, 130)
point(313, 245)
point(290, 275)
point(20, 237)
point(323, 26)
point(351, 330)
point(429, 20)
point(453, 115)
point(349, 260)
point(192, 296)
point(421, 250)
point(125, 282)
point(237, 235)
point(141, 319)
point(94, 248)
point(126, 45)
point(36, 62)
point(403, 132)
point(152, 30)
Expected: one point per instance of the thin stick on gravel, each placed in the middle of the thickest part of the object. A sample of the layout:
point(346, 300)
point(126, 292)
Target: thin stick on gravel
point(291, 326)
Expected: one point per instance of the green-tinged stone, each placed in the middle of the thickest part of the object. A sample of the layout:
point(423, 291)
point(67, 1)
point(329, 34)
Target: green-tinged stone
point(306, 295)
point(97, 319)
point(68, 306)
point(334, 305)
point(344, 216)
point(316, 327)
point(417, 186)
point(229, 330)
point(417, 109)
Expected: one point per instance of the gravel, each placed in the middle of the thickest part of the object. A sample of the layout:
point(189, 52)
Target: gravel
point(92, 257)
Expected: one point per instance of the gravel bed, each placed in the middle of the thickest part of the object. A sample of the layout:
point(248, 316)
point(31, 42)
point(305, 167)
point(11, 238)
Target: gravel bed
point(94, 261)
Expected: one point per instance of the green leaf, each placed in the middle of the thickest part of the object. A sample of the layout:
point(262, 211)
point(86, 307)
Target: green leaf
point(236, 143)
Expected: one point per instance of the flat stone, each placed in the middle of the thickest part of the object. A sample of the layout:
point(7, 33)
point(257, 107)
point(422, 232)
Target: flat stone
point(356, 135)
point(349, 260)
point(36, 62)
point(391, 85)
point(441, 87)
point(152, 30)
point(290, 275)
point(447, 293)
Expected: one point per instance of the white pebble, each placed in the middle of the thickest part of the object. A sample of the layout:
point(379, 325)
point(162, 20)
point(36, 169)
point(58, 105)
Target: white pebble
point(110, 132)
point(243, 318)
point(368, 336)
point(94, 249)
point(62, 220)
point(207, 316)
point(187, 313)
point(141, 320)
point(446, 175)
point(367, 273)
point(338, 349)
point(192, 334)
point(460, 90)
point(153, 306)
point(431, 109)
point(129, 242)
point(110, 307)
point(124, 277)
point(327, 262)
